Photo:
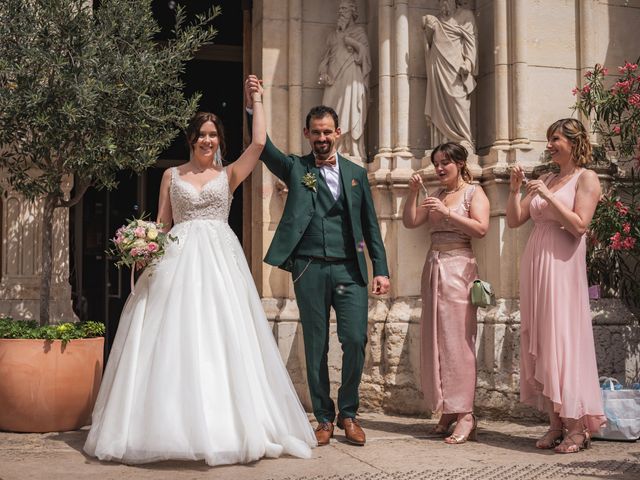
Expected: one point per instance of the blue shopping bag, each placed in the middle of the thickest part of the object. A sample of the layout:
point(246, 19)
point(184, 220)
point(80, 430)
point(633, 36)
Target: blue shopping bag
point(622, 409)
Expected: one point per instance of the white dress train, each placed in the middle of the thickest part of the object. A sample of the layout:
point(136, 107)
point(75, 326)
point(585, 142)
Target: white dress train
point(194, 372)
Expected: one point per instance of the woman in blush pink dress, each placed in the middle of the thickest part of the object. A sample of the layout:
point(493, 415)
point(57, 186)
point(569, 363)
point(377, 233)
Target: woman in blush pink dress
point(455, 213)
point(558, 371)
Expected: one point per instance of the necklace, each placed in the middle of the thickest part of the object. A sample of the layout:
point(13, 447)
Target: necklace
point(198, 169)
point(449, 192)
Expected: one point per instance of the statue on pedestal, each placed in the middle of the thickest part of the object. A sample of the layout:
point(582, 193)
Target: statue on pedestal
point(344, 72)
point(451, 49)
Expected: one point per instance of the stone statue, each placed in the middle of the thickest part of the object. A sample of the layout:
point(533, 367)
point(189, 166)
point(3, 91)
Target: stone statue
point(452, 61)
point(344, 71)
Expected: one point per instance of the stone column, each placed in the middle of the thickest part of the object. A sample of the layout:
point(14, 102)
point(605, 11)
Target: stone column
point(500, 147)
point(588, 27)
point(519, 20)
point(22, 258)
point(401, 85)
point(295, 75)
point(382, 159)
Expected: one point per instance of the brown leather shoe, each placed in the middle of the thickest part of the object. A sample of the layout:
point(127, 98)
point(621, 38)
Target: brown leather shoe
point(352, 430)
point(324, 432)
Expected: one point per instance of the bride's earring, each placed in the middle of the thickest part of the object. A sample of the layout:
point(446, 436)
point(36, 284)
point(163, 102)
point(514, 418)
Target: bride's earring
point(217, 158)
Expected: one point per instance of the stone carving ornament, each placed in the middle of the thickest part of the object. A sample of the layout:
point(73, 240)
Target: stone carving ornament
point(344, 72)
point(451, 49)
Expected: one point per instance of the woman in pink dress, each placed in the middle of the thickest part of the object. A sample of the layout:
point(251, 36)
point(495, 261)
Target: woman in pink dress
point(558, 371)
point(456, 212)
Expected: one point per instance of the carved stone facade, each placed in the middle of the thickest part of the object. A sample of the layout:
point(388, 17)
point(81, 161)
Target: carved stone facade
point(531, 54)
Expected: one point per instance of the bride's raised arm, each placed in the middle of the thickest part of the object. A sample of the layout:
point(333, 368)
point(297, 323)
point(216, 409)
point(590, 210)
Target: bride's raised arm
point(242, 168)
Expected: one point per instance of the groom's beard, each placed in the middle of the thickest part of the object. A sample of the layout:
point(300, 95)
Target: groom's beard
point(322, 150)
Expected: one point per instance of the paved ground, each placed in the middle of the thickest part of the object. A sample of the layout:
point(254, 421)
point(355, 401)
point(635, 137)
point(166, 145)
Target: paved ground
point(397, 448)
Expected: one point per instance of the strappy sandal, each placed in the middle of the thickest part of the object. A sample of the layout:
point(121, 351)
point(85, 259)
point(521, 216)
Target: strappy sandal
point(456, 439)
point(553, 436)
point(569, 445)
point(442, 429)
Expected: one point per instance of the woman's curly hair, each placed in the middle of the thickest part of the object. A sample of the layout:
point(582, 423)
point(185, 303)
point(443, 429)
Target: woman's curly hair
point(576, 133)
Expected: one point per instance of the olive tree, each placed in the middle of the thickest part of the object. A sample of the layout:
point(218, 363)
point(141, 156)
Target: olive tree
point(86, 93)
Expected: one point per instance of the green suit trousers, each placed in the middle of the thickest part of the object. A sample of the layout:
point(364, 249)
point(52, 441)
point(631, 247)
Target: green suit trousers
point(320, 285)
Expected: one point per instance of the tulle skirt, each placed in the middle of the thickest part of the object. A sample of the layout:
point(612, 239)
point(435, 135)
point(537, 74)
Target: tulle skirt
point(194, 372)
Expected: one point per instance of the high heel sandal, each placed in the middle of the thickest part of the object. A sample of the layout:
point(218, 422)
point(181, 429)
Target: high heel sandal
point(442, 429)
point(456, 439)
point(554, 434)
point(571, 446)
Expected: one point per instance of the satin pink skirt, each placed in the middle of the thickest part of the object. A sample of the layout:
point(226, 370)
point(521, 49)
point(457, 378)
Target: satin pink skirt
point(449, 325)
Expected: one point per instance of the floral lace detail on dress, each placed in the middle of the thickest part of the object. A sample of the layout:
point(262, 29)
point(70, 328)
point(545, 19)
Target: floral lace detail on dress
point(211, 203)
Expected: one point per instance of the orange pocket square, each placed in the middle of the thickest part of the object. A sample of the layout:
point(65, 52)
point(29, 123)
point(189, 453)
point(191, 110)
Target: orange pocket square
point(354, 182)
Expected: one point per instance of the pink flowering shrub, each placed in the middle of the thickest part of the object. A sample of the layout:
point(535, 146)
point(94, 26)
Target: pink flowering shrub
point(614, 242)
point(615, 110)
point(614, 234)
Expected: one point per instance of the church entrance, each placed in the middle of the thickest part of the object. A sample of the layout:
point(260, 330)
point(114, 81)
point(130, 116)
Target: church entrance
point(217, 72)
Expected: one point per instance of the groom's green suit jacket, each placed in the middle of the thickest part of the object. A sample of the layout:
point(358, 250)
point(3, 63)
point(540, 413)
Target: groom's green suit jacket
point(301, 204)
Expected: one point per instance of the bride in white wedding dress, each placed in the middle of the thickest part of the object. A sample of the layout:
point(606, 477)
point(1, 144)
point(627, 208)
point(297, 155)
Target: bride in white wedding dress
point(194, 372)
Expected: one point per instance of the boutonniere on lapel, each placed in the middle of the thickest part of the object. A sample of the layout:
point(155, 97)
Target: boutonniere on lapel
point(354, 183)
point(310, 181)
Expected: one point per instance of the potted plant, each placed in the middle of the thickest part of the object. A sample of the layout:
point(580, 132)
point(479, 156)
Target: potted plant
point(84, 94)
point(49, 376)
point(614, 234)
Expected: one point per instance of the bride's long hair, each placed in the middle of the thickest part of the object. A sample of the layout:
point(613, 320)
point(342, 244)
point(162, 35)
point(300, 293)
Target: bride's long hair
point(193, 131)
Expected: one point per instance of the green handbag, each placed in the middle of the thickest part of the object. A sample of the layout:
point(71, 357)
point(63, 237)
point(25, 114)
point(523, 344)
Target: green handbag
point(482, 294)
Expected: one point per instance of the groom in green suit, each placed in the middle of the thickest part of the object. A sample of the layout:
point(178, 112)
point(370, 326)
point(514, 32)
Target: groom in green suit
point(328, 219)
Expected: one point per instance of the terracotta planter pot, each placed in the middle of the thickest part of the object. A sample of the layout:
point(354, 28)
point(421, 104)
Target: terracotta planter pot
point(47, 388)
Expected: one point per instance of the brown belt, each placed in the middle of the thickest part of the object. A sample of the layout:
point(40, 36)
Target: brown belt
point(445, 247)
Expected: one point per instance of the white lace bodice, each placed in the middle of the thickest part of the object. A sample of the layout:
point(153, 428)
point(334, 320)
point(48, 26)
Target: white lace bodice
point(211, 203)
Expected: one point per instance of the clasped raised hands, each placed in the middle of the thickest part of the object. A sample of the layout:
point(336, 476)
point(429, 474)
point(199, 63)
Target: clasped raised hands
point(252, 90)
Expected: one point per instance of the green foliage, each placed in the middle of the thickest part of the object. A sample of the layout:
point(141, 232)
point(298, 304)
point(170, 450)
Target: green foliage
point(88, 93)
point(65, 331)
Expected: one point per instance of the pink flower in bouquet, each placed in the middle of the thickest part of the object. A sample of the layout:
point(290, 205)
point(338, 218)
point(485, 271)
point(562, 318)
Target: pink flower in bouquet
point(134, 252)
point(119, 239)
point(140, 232)
point(152, 247)
point(586, 88)
point(616, 129)
point(635, 99)
point(575, 90)
point(626, 228)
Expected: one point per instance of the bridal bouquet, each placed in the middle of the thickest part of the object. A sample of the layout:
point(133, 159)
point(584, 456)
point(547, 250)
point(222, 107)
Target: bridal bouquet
point(138, 244)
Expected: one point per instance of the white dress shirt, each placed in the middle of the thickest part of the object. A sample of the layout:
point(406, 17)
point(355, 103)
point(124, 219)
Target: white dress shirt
point(331, 175)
